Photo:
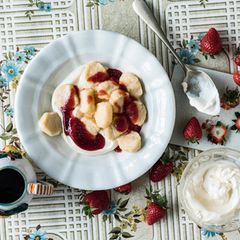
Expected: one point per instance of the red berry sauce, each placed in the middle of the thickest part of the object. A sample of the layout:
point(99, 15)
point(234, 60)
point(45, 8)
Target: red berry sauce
point(121, 123)
point(132, 112)
point(117, 149)
point(76, 129)
point(114, 74)
point(99, 77)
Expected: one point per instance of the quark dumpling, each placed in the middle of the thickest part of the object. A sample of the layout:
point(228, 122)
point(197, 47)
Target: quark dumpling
point(130, 142)
point(137, 112)
point(62, 94)
point(50, 123)
point(105, 89)
point(87, 104)
point(117, 100)
point(104, 114)
point(90, 70)
point(132, 84)
point(98, 109)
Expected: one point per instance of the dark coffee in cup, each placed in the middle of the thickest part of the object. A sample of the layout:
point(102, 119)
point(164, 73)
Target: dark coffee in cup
point(12, 185)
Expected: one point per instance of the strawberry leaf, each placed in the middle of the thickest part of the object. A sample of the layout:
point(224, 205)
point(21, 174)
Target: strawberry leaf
point(116, 230)
point(127, 235)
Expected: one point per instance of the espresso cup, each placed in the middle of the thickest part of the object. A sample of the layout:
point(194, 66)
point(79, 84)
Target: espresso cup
point(18, 184)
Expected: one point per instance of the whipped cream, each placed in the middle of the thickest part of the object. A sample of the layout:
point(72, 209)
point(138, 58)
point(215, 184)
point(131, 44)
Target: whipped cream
point(212, 192)
point(202, 93)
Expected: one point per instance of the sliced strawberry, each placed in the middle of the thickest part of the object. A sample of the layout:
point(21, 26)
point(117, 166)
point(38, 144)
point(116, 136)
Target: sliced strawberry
point(236, 121)
point(217, 133)
point(236, 56)
point(236, 77)
point(127, 188)
point(95, 202)
point(211, 43)
point(230, 99)
point(192, 131)
point(160, 170)
point(154, 213)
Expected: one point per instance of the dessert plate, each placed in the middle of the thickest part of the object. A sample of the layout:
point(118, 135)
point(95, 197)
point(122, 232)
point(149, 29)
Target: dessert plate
point(50, 67)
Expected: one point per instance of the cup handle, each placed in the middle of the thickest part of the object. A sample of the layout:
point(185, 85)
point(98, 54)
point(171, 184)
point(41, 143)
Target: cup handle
point(40, 188)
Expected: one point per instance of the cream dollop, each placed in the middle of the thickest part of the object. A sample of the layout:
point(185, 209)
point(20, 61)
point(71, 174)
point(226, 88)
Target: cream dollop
point(213, 192)
point(202, 93)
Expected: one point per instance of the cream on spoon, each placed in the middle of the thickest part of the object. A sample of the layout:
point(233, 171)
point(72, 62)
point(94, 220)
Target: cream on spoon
point(198, 86)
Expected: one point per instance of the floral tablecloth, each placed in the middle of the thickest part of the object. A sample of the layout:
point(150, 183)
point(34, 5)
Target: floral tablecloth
point(28, 25)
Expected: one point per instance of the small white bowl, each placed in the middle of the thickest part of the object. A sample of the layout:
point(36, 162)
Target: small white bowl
point(203, 159)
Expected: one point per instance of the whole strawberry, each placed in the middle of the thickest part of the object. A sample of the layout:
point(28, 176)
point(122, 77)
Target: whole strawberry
point(192, 131)
point(156, 208)
point(95, 202)
point(160, 170)
point(211, 43)
point(127, 188)
point(236, 121)
point(236, 57)
point(236, 78)
point(154, 213)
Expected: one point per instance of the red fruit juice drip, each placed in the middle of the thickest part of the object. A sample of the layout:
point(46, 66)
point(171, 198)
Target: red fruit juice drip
point(76, 129)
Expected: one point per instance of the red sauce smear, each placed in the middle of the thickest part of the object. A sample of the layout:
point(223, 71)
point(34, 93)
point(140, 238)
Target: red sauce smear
point(99, 77)
point(132, 112)
point(114, 74)
point(117, 149)
point(121, 123)
point(76, 129)
point(101, 93)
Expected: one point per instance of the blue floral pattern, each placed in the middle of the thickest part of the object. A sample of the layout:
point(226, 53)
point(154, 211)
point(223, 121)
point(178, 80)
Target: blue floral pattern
point(189, 49)
point(41, 6)
point(207, 233)
point(37, 234)
point(10, 69)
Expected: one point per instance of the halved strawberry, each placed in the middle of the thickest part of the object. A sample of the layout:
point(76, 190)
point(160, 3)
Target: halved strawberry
point(230, 99)
point(127, 188)
point(192, 131)
point(236, 56)
point(217, 133)
point(236, 77)
point(236, 121)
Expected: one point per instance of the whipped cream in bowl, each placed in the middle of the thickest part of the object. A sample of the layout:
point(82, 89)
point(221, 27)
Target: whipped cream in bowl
point(210, 190)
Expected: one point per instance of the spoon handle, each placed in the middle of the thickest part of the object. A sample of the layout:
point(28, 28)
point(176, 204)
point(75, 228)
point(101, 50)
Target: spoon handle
point(142, 10)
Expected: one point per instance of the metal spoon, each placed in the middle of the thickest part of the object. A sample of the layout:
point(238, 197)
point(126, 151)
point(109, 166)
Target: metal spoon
point(198, 86)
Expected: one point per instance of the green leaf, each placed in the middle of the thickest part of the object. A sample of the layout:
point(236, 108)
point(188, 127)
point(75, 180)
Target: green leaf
point(127, 235)
point(124, 203)
point(90, 4)
point(122, 209)
point(115, 230)
point(5, 137)
point(115, 236)
point(9, 127)
point(237, 114)
point(14, 131)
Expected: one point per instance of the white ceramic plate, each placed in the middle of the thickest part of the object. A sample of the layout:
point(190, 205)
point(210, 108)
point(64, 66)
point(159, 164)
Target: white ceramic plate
point(50, 67)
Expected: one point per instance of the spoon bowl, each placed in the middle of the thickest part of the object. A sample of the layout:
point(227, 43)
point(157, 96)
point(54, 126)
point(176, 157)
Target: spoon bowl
point(198, 86)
